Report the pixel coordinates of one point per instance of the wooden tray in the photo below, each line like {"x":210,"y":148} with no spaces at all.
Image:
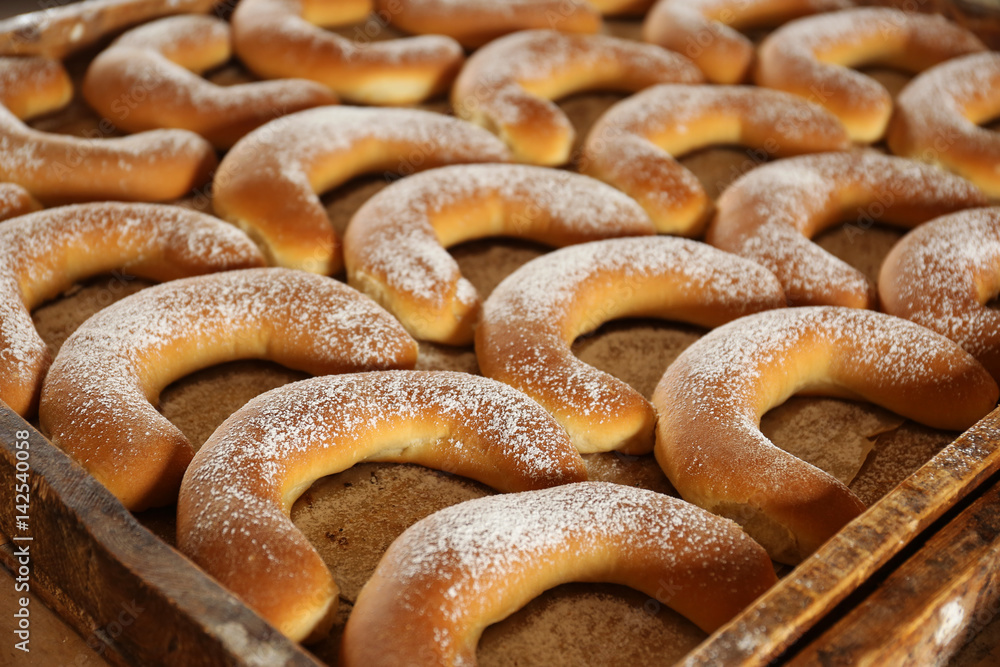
{"x":91,"y":560}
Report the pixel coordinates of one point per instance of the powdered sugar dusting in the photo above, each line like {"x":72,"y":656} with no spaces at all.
{"x":532,"y":317}
{"x":107,"y":372}
{"x":456,"y":569}
{"x":503,"y":78}
{"x":452,"y":421}
{"x":393,"y":237}
{"x":941,"y":275}
{"x":769,"y":214}
{"x":43,"y":253}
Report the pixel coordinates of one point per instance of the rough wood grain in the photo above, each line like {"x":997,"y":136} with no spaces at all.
{"x":87,"y":544}
{"x":931,"y":605}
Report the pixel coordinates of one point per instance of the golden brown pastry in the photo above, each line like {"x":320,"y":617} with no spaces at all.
{"x":280,"y":39}
{"x":59,"y":168}
{"x":233,"y":514}
{"x":59,"y":29}
{"x":45,"y":253}
{"x":770,"y":214}
{"x":811,"y":58}
{"x":711,"y":399}
{"x":942,"y":276}
{"x":475,"y":22}
{"x":938,"y":114}
{"x":98,"y":399}
{"x":634,"y":145}
{"x":394,"y":247}
{"x":149,"y":78}
{"x":507,"y":86}
{"x":450,"y":575}
{"x":268,"y":183}
{"x":15,"y":201}
{"x":706,"y":31}
{"x":531,"y":319}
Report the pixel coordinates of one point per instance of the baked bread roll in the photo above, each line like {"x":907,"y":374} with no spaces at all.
{"x":531,"y":319}
{"x":15,"y":201}
{"x":280,"y":39}
{"x":811,"y":58}
{"x":711,"y":399}
{"x":394,"y":247}
{"x":770,"y":214}
{"x":268,"y":183}
{"x":938,"y":114}
{"x":43,"y":254}
{"x":507,"y":86}
{"x":233,"y":514}
{"x":59,"y":29}
{"x":634,"y":145}
{"x":58,"y":168}
{"x":164,"y":60}
{"x":706,"y":31}
{"x":450,"y":575}
{"x":475,"y":22}
{"x":942,"y":276}
{"x":98,"y":399}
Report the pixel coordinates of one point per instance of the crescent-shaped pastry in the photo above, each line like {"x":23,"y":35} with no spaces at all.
{"x":770,"y":214}
{"x":394,"y":247}
{"x":97,"y":400}
{"x":280,"y":39}
{"x":58,"y":168}
{"x":507,"y":86}
{"x":811,"y":58}
{"x":938,"y":114}
{"x":233,"y":514}
{"x":61,"y":29}
{"x":531,"y":319}
{"x":711,"y":399}
{"x":452,"y":574}
{"x":15,"y":201}
{"x":45,"y":253}
{"x":149,"y":79}
{"x":634,"y":145}
{"x":706,"y":31}
{"x":267,"y":183}
{"x":943,"y":274}
{"x":473,"y":23}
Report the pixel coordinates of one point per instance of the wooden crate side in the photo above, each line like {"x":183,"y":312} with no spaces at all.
{"x":85,"y":542}
{"x":765,"y":631}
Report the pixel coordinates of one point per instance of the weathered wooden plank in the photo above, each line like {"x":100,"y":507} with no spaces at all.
{"x":931,"y":605}
{"x":153,"y":606}
{"x":762,"y":633}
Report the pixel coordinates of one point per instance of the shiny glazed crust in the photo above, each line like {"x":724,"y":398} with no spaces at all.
{"x":164,"y":59}
{"x":810,"y":57}
{"x":937,"y":117}
{"x":280,"y":39}
{"x":233,"y":513}
{"x":532,"y":318}
{"x":45,"y":253}
{"x":711,"y":399}
{"x":467,"y":566}
{"x":770,"y":214}
{"x":394,"y":247}
{"x":98,"y":399}
{"x":268,"y":183}
{"x":634,"y":145}
{"x":706,"y":31}
{"x":508,"y":85}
